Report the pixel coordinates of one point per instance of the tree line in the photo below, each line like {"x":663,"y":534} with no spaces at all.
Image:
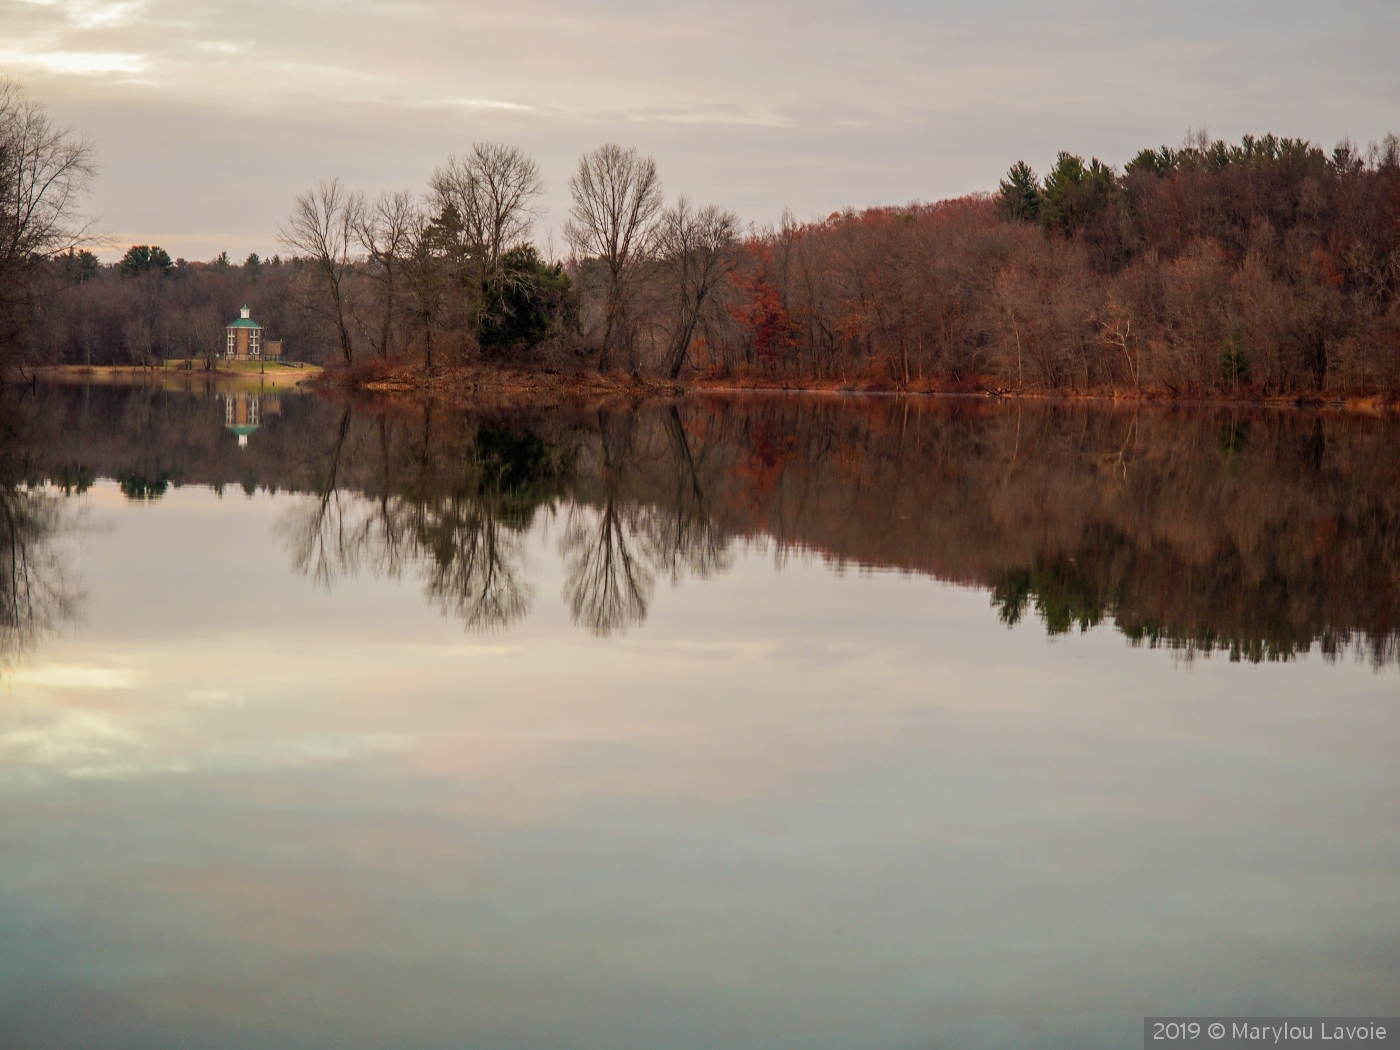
{"x":453,"y":276}
{"x":1263,"y":267}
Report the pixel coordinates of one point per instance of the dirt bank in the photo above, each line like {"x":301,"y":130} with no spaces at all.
{"x":506,"y":387}
{"x":474,"y":384}
{"x":974,"y":388}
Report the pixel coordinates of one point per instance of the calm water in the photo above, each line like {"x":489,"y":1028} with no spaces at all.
{"x":747,"y":723}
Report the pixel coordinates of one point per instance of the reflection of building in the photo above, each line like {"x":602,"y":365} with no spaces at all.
{"x":244,"y":341}
{"x":244,"y":413}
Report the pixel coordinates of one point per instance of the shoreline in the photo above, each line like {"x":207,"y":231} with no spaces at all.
{"x":1373,"y":403}
{"x":504,"y":385}
{"x":984,"y":390}
{"x":280,"y":377}
{"x":464,"y":384}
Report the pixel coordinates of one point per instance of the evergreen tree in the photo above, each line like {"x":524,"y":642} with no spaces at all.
{"x":79,"y":266}
{"x":1020,"y":193}
{"x":142,"y":258}
{"x":1075,"y":193}
{"x":523,"y":304}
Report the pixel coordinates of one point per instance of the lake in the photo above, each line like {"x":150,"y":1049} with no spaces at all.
{"x":742,"y":722}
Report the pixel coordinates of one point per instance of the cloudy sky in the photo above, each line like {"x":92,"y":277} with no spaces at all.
{"x":209,"y":115}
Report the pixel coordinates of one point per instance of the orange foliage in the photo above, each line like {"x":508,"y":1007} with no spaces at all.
{"x":760,"y":309}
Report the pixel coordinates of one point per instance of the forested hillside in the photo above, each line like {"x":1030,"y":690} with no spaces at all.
{"x":1266,"y":266}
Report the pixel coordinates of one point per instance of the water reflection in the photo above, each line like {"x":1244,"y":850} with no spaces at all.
{"x":799,"y":807}
{"x":608,"y":586}
{"x":244,"y":411}
{"x":37,"y":595}
{"x":457,"y":514}
{"x":456,"y":501}
{"x":1257,"y":533}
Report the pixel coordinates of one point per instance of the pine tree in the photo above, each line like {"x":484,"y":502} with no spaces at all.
{"x":1020,"y":193}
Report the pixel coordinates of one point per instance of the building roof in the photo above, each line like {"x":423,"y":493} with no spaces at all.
{"x":244,"y":320}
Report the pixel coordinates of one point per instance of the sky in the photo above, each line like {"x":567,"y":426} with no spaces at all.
{"x":209,"y":116}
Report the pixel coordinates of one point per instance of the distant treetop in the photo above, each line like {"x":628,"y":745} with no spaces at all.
{"x":142,"y":258}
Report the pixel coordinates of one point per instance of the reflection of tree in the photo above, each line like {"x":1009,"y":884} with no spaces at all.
{"x":476,"y":564}
{"x":607,"y":586}
{"x":473,"y":538}
{"x":1256,"y":533}
{"x":682,"y":535}
{"x":35,"y":595}
{"x":328,"y":536}
{"x":654,"y":517}
{"x":1059,"y":594}
{"x":136,"y":486}
{"x":461,"y":524}
{"x":458,"y":512}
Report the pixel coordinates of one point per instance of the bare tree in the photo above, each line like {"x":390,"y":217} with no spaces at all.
{"x":1117,"y":332}
{"x":617,"y":195}
{"x":199,"y":335}
{"x":44,"y":172}
{"x":385,"y":231}
{"x":492,"y":189}
{"x":322,"y":228}
{"x":696,"y":250}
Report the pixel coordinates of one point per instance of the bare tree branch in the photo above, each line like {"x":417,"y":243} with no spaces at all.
{"x":322,"y":228}
{"x":617,"y":195}
{"x":696,"y":250}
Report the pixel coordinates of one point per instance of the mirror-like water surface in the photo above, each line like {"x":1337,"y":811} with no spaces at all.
{"x":752,"y":722}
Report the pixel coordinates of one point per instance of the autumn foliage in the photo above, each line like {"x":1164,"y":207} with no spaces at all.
{"x":1257,"y":269}
{"x":1266,"y":268}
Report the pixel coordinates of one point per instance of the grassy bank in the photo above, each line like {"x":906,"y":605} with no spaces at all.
{"x":265,"y":375}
